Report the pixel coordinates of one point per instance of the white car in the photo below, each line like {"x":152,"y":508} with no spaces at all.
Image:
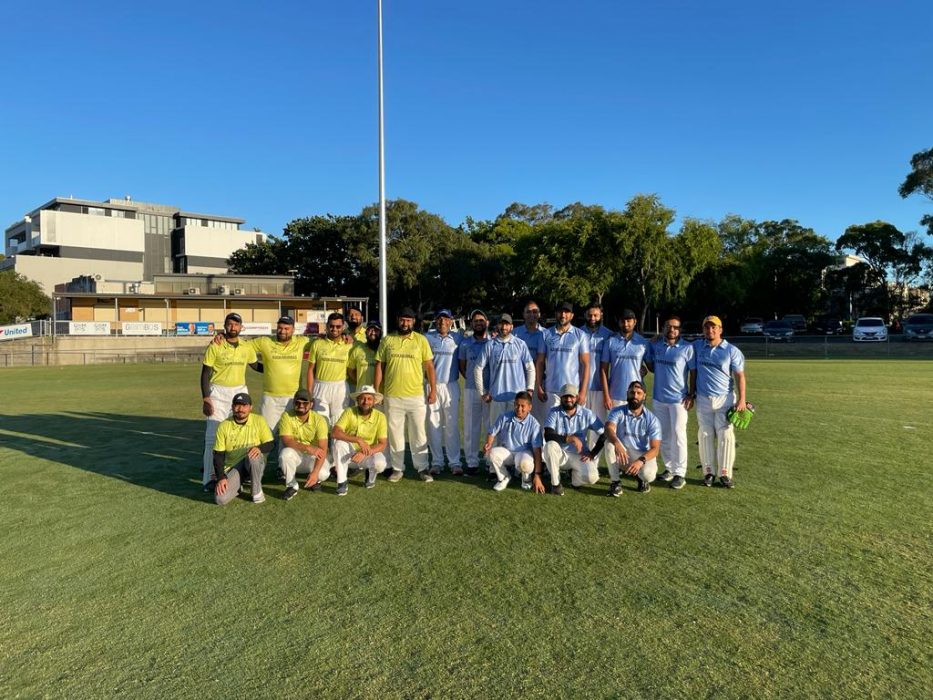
{"x":870,"y":328}
{"x":752,"y":326}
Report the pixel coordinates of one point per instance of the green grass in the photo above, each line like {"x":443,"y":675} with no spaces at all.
{"x":811,"y":578}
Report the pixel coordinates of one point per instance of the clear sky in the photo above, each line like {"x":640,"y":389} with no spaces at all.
{"x":267,"y":111}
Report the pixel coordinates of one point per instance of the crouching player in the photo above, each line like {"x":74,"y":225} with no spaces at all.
{"x":520,"y":444}
{"x":304,"y":445}
{"x":635,"y":432}
{"x":360,"y":436}
{"x":240,"y":448}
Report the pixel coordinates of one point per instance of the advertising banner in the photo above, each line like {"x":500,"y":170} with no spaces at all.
{"x":89,"y":327}
{"x":256,"y":329}
{"x":141,"y":328}
{"x":21,"y":330}
{"x":194,"y":328}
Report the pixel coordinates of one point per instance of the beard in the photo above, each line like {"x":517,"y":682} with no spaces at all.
{"x":373,"y":344}
{"x":353,"y":325}
{"x":634,"y":404}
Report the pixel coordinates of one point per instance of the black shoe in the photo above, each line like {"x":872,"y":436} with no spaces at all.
{"x":708,"y":480}
{"x":678,"y":482}
{"x":342,"y":488}
{"x":290,"y":493}
{"x":643,"y":486}
{"x":557,"y":490}
{"x":666,"y":475}
{"x":726,"y":482}
{"x":209,"y":486}
{"x":615,"y":489}
{"x":315,"y":488}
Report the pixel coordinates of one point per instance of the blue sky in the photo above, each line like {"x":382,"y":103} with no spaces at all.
{"x":805,"y":110}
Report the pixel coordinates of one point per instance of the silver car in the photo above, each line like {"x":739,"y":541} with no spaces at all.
{"x":870,"y":329}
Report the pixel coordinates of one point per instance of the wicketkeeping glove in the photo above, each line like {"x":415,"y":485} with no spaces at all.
{"x":741,"y":419}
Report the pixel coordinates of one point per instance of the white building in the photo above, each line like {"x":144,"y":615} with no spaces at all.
{"x":119,"y":239}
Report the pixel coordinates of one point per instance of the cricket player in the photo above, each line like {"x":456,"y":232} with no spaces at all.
{"x":716,"y":361}
{"x":360,"y":438}
{"x":281,"y":360}
{"x":361,"y":362}
{"x":223,"y":375}
{"x":303,"y":434}
{"x":403,"y":360}
{"x":355,"y":328}
{"x":511,"y":369}
{"x":444,"y":414}
{"x":565,"y":441}
{"x":563,"y":358}
{"x":239,"y":452}
{"x":327,"y":369}
{"x":520,"y":443}
{"x":475,"y":410}
{"x":635,"y":433}
{"x":671,"y":358}
{"x":596,"y":334}
{"x":532,"y":332}
{"x":622,"y":361}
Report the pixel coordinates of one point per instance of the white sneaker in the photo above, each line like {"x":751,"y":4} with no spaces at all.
{"x":501,"y":484}
{"x":526,"y":482}
{"x":259,"y":498}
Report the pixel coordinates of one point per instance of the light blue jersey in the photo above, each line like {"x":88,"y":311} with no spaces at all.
{"x":506,"y":361}
{"x":624,"y":358}
{"x":445,"y":349}
{"x":637,"y":431}
{"x":671,"y":369}
{"x":470,"y":349}
{"x":582,"y":420}
{"x":563,"y":352}
{"x":715,"y":365}
{"x":532,"y":338}
{"x":515,"y":434}
{"x":597,"y":338}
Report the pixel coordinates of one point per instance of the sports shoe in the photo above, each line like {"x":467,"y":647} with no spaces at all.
{"x":457,"y":471}
{"x":290,"y":493}
{"x":315,"y":488}
{"x":643,"y":486}
{"x":615,"y":489}
{"x":425,"y":476}
{"x":678,"y":482}
{"x":708,"y":480}
{"x":259,"y":497}
{"x":342,"y":488}
{"x":667,"y":475}
{"x":370,"y":479}
{"x":526,"y":482}
{"x":435,"y":471}
{"x":557,"y":490}
{"x":501,"y":484}
{"x":396,"y":475}
{"x":726,"y":482}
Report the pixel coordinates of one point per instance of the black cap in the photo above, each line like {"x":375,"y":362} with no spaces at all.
{"x":565,"y":306}
{"x":302,"y":395}
{"x":233,"y":317}
{"x":374,"y":324}
{"x":478,"y":312}
{"x":287,"y":320}
{"x":627,"y":313}
{"x":406,"y":312}
{"x":242,"y":398}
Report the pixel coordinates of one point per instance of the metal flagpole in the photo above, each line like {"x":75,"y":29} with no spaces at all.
{"x":383,"y":262}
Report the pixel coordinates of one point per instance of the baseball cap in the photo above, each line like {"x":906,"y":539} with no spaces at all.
{"x":374,"y":324}
{"x":569,"y":390}
{"x":287,"y":320}
{"x":302,"y":395}
{"x":406,"y":312}
{"x":506,"y":318}
{"x":627,"y":313}
{"x":444,"y":313}
{"x":565,"y":306}
{"x":233,"y":317}
{"x":715,"y":320}
{"x":242,"y":398}
{"x":478,"y":312}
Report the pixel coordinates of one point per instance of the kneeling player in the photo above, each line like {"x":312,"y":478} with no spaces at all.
{"x":304,"y":445}
{"x":360,"y":436}
{"x":240,"y":448}
{"x":635,"y":432}
{"x":565,"y":439}
{"x":520,"y":444}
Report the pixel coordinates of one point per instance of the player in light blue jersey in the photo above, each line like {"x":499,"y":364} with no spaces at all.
{"x":622,"y":361}
{"x":520,"y":443}
{"x":715,"y":362}
{"x":635,"y":433}
{"x":565,"y":441}
{"x":443,"y":422}
{"x":597,"y":334}
{"x":563,"y":358}
{"x":510,"y":370}
{"x":532,"y":332}
{"x":670,"y":361}
{"x":475,"y":410}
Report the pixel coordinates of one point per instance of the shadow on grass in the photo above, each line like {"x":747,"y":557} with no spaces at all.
{"x":154,"y":452}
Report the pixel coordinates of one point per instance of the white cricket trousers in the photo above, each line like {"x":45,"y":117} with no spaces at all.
{"x":716,"y":434}
{"x":673,"y":418}
{"x":293,"y":462}
{"x":502,"y":457}
{"x":272,"y":408}
{"x":329,"y":400}
{"x":343,"y":451}
{"x":557,"y":458}
{"x":475,"y":425}
{"x":648,"y":471}
{"x":222,"y":400}
{"x":444,"y":425}
{"x":407,"y":414}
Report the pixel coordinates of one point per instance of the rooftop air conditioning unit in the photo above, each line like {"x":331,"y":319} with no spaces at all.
{"x":223,"y":289}
{"x":133,"y":289}
{"x":193,"y":290}
{"x":238,"y":291}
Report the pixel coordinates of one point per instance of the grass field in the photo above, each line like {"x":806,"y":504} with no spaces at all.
{"x":812,"y":578}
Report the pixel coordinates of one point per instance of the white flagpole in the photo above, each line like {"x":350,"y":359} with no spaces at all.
{"x":383,"y":261}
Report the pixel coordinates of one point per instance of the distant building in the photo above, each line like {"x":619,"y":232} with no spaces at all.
{"x":119,"y":239}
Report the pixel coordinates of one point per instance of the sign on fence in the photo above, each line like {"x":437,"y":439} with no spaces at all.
{"x":89,"y":327}
{"x":194,"y":328}
{"x":21,"y":330}
{"x":141,"y":328}
{"x":256,"y":329}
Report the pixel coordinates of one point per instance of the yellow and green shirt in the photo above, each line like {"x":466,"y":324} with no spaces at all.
{"x":330,"y":359}
{"x":403,"y":359}
{"x":281,"y":364}
{"x":360,"y":334}
{"x":310,"y":432}
{"x":228,"y":362}
{"x":362,"y":360}
{"x":371,"y":429}
{"x":235,"y":440}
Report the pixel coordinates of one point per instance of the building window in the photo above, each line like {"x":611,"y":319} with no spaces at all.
{"x":96,"y":211}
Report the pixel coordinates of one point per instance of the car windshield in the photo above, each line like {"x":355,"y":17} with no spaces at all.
{"x":870,"y":322}
{"x":920,"y":319}
{"x":777,"y":324}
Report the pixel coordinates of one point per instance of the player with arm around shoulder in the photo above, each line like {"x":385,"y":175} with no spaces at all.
{"x":520,"y":442}
{"x":635,"y":435}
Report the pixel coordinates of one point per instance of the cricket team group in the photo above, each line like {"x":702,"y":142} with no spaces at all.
{"x":539,"y":404}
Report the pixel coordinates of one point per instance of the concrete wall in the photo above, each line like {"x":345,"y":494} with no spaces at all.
{"x":203,"y":241}
{"x":51,"y":271}
{"x":83,"y":231}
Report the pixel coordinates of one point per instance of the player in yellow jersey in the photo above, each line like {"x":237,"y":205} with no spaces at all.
{"x":355,"y":328}
{"x":304,"y":445}
{"x":239,"y":452}
{"x":223,"y":375}
{"x":361,"y":363}
{"x":327,"y":370}
{"x":360,"y":438}
{"x":281,"y":360}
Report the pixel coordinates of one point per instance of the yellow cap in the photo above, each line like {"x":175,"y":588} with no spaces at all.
{"x":714,"y":320}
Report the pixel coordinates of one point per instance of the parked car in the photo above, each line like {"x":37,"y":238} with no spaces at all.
{"x":690,"y":330}
{"x":870,"y":328}
{"x":828,"y":325}
{"x":780,"y":331}
{"x":751,"y":326}
{"x":919,"y":327}
{"x":797,"y":322}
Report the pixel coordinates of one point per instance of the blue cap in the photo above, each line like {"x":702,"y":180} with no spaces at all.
{"x":444,"y":312}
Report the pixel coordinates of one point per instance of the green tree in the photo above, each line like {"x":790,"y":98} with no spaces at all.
{"x":920,"y":181}
{"x":21,"y":298}
{"x":651,"y":269}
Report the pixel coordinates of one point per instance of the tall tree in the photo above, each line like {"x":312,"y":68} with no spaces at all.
{"x":920,"y":181}
{"x":21,"y":298}
{"x":651,"y":269}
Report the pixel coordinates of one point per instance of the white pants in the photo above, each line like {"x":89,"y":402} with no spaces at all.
{"x":343,"y":451}
{"x":272,"y":408}
{"x":444,"y":425}
{"x":716,"y":434}
{"x":648,"y":471}
{"x":673,"y":418}
{"x":475,"y":425}
{"x":502,"y":457}
{"x":556,"y":457}
{"x":329,"y":400}
{"x":294,"y":462}
{"x":406,"y":414}
{"x":222,"y":400}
